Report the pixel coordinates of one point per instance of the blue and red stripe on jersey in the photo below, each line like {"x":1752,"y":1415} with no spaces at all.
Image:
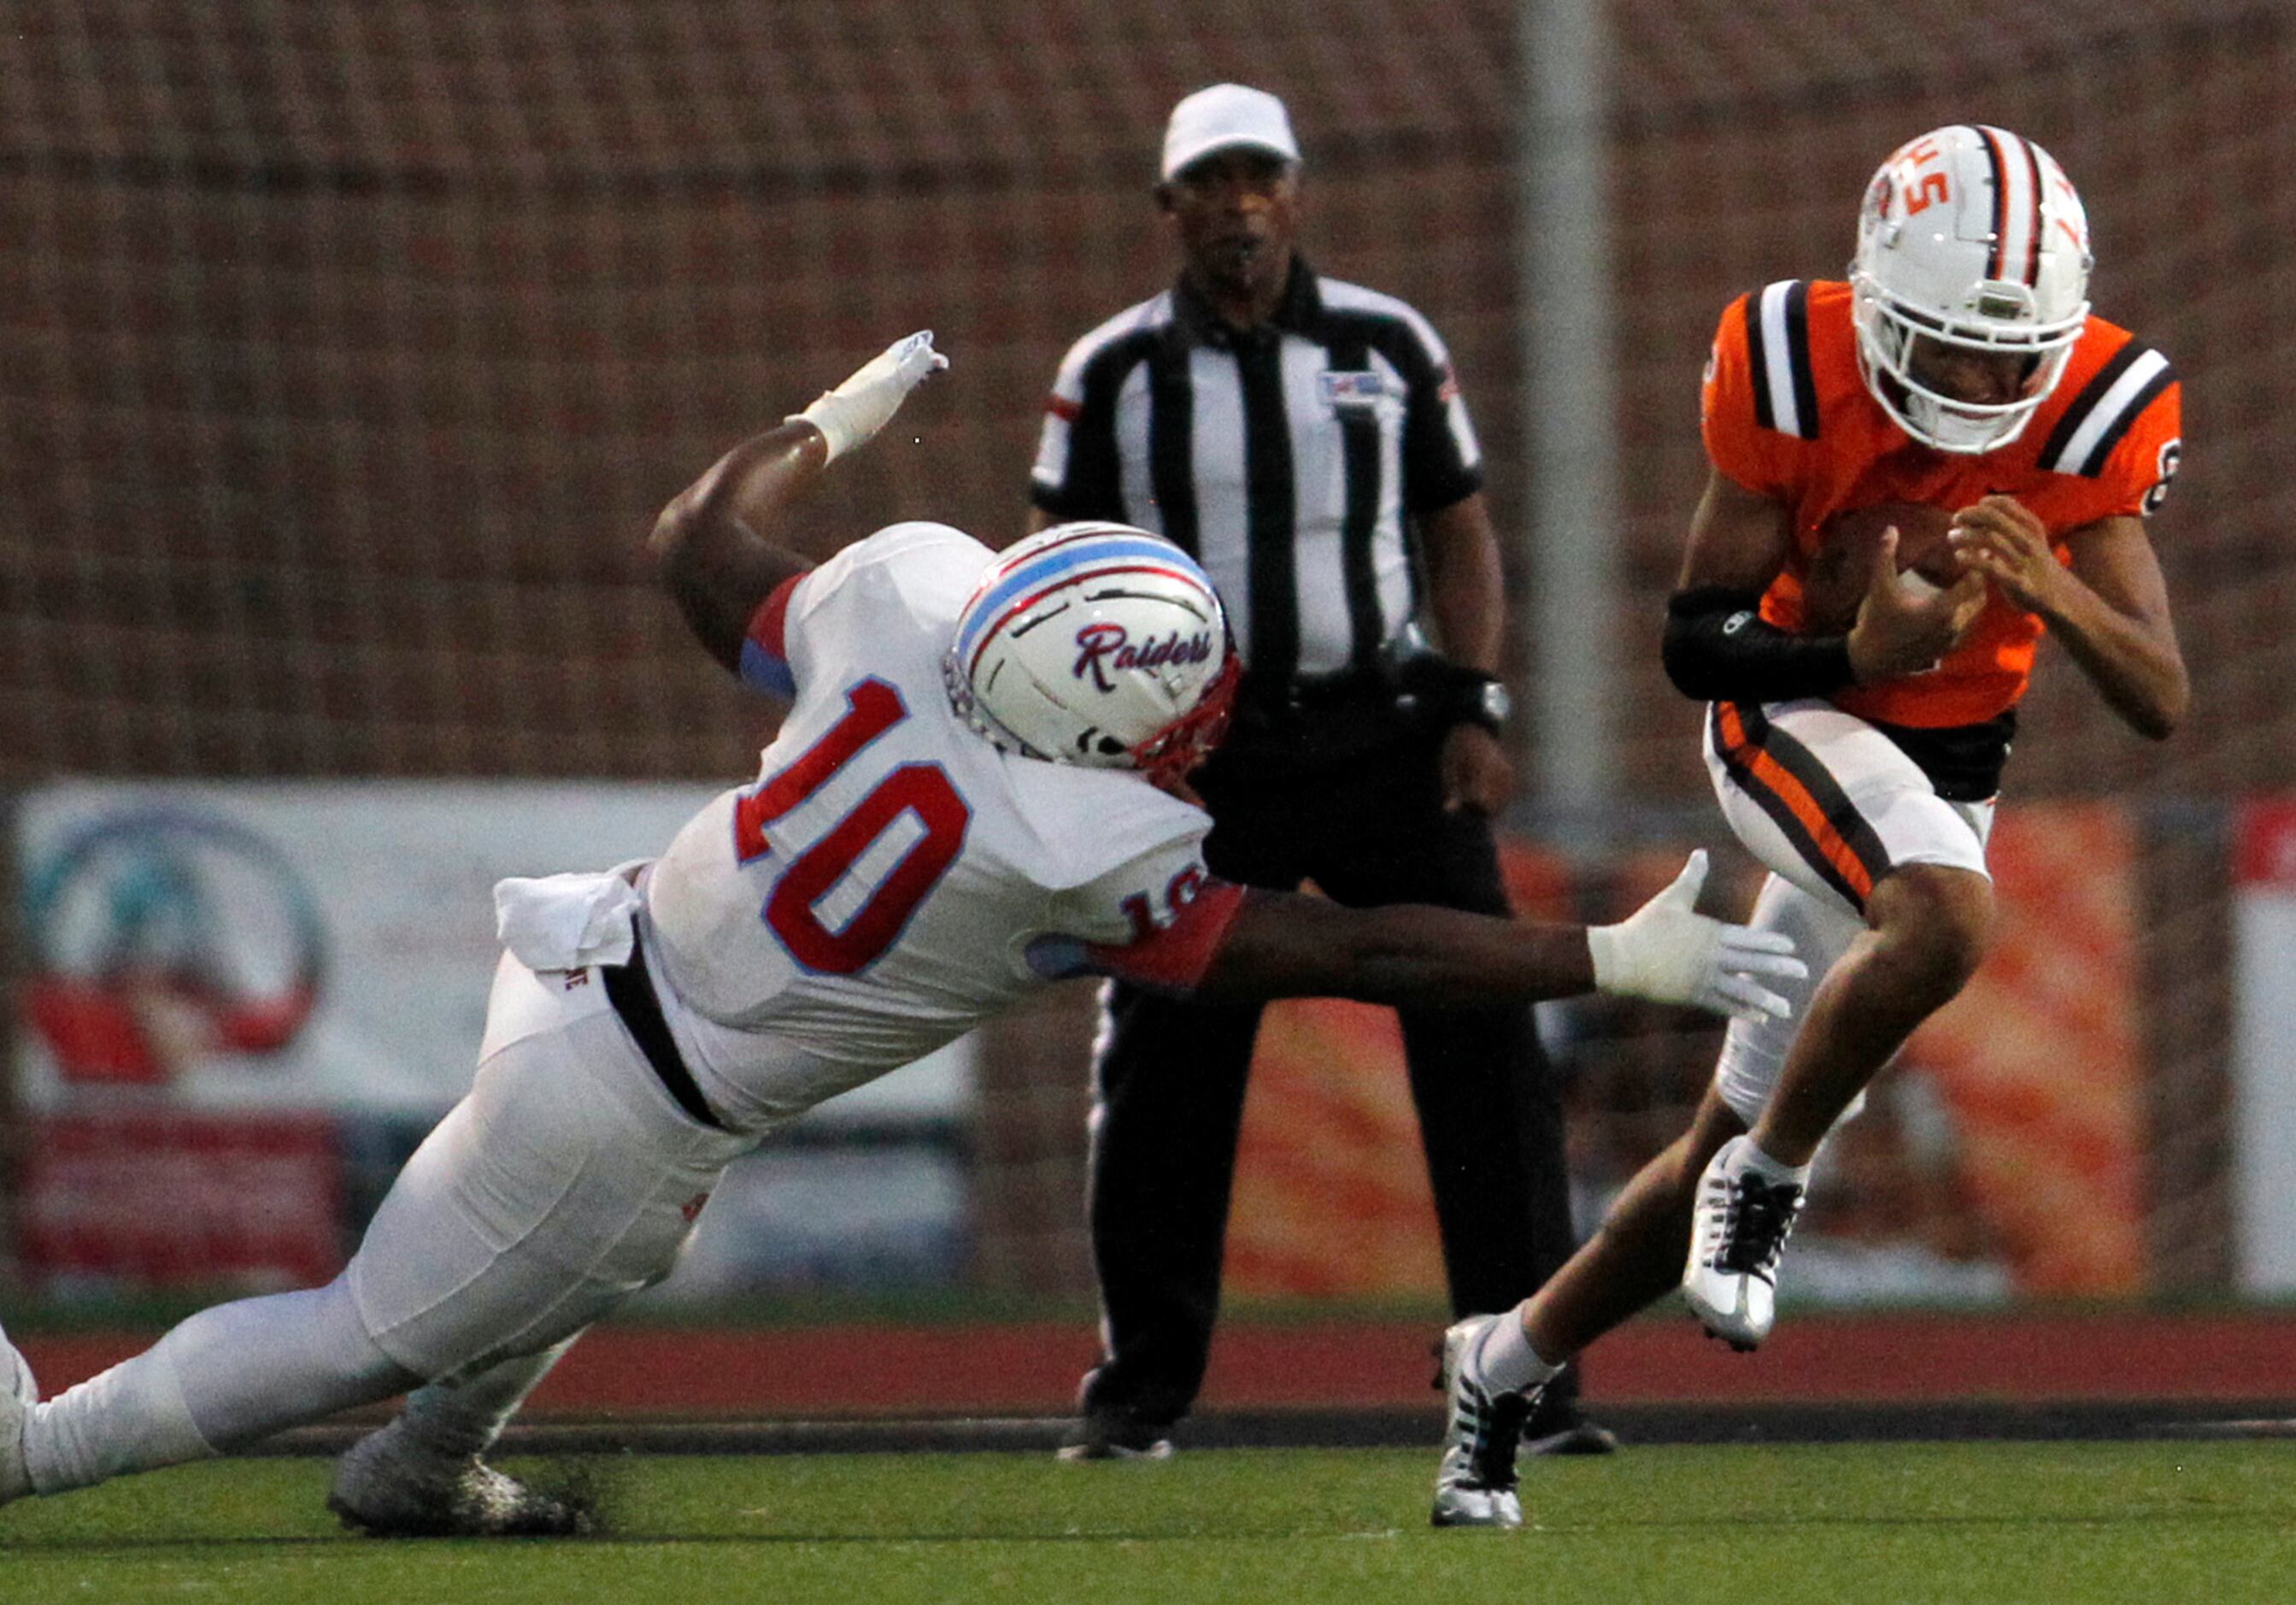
{"x":1171,"y":958}
{"x":765,"y":645}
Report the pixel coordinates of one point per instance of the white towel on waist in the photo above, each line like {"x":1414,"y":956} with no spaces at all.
{"x":564,"y":922}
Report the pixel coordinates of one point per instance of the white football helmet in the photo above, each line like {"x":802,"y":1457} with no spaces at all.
{"x":1096,"y":643}
{"x":1973,"y":237}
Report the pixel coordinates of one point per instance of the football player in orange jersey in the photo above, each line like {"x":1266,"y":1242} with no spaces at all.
{"x":1954,"y":410}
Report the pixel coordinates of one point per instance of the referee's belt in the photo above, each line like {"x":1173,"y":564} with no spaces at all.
{"x":1316,"y":722}
{"x":1351,"y":690}
{"x":630,"y":990}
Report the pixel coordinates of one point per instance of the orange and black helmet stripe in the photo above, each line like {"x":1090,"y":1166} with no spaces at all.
{"x":1785,"y":779}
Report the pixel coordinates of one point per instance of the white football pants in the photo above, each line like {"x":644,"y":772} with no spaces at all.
{"x":566,"y":1180}
{"x":1830,"y":805}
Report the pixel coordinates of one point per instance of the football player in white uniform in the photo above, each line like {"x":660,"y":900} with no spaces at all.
{"x":980,"y":787}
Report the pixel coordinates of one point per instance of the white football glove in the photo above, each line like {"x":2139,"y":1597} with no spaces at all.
{"x":857,"y":409}
{"x":1665,"y":952}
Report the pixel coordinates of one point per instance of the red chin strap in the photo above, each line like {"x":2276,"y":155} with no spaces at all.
{"x":1172,"y":752}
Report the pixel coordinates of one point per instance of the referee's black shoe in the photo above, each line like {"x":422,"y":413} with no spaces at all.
{"x":1557,"y":1426}
{"x":1112,"y":1436}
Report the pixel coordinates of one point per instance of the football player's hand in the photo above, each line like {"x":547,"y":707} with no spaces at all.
{"x":2001,"y":539}
{"x":1477,"y":778}
{"x":857,"y":409}
{"x":1668,"y":952}
{"x":1904,"y":629}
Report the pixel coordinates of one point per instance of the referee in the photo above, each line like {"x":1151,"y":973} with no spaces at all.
{"x":1303,"y":439}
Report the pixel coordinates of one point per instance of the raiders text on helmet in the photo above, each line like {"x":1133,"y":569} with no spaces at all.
{"x":1972,"y":237}
{"x":1096,"y":643}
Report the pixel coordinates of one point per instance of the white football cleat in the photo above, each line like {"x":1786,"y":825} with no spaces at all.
{"x":18,"y":1393}
{"x":387,"y":1485}
{"x":1475,"y":1484}
{"x":1739,"y":1222}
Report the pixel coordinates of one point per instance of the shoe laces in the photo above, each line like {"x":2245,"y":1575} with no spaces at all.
{"x":1757,"y":1217}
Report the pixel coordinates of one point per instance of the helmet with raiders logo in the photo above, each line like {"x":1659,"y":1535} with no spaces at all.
{"x":1096,"y":643}
{"x":1974,"y":238}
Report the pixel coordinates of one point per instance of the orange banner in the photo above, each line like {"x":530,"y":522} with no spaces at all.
{"x":2002,"y":1153}
{"x":2040,"y":1059}
{"x":1330,"y":1194}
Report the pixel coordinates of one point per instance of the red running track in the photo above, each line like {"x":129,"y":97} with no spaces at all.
{"x":1032,"y":1369}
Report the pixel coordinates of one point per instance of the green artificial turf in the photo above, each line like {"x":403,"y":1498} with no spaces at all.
{"x":2213,"y":1522}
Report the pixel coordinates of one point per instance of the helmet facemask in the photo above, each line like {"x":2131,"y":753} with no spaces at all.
{"x":1972,"y":238}
{"x":1179,"y":747}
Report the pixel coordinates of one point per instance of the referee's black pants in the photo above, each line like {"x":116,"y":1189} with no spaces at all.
{"x":1170,"y":1080}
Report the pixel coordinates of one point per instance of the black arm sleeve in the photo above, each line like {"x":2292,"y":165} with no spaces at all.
{"x":1718,"y":648}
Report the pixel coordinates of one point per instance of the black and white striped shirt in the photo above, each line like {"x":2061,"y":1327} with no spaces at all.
{"x":1290,"y":460}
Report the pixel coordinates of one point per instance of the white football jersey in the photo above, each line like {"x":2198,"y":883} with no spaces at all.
{"x":873,"y":896}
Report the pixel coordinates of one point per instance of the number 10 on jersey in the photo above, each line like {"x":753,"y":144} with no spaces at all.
{"x":922,"y":790}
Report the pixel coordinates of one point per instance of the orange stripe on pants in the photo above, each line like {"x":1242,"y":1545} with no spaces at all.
{"x":1759,"y":766}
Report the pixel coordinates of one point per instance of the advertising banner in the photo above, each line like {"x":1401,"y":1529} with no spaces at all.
{"x":245,"y":1003}
{"x":2264,"y":1047}
{"x":2038,"y":1065}
{"x":2000,"y":1155}
{"x":287,"y":946}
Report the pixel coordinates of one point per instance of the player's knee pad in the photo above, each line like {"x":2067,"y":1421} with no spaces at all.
{"x":1754,"y":1051}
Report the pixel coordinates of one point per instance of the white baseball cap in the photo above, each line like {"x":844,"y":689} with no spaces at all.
{"x":1226,"y":115}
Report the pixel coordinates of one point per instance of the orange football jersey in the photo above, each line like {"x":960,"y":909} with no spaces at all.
{"x":1787,"y":415}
